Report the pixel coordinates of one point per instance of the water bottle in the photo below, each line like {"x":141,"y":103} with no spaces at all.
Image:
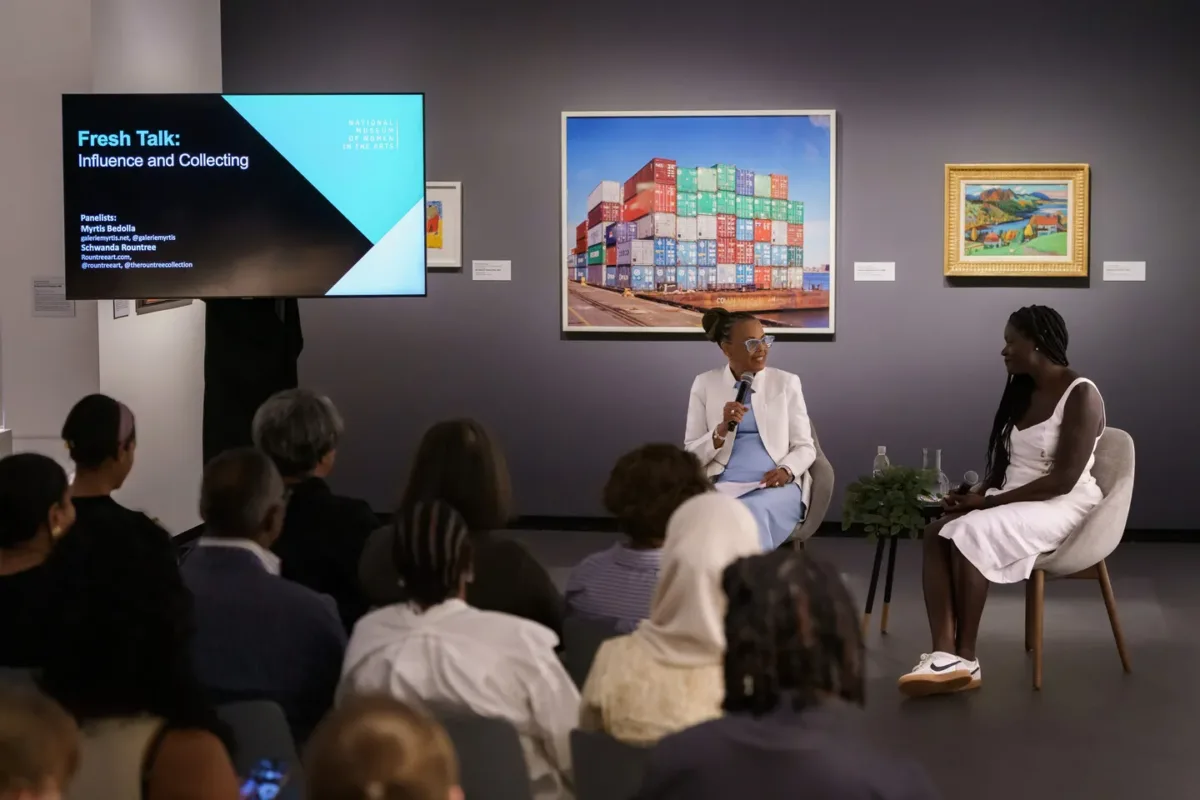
{"x":881,"y":462}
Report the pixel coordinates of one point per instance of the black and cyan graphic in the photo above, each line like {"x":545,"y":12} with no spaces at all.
{"x":181,"y":196}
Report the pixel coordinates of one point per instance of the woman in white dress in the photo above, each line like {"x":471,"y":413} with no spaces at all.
{"x":1039,"y":487}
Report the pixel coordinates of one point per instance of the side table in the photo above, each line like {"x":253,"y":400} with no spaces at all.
{"x":931,"y":512}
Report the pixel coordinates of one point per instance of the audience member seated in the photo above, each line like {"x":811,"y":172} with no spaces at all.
{"x":435,"y":650}
{"x":258,"y":636}
{"x":39,"y":746}
{"x":35,"y":509}
{"x":1039,"y":487}
{"x":119,"y":661}
{"x":666,"y":675}
{"x":643,"y":491}
{"x":793,"y":679}
{"x":323,"y":533}
{"x":459,"y":463}
{"x":377,"y":747}
{"x":101,"y":438}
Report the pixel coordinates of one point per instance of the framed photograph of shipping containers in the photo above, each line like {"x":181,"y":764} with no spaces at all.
{"x":666,"y":214}
{"x":443,"y":224}
{"x":1017,"y":220}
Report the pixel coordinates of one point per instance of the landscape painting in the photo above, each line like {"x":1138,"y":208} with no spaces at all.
{"x":1017,"y":220}
{"x":668,"y":214}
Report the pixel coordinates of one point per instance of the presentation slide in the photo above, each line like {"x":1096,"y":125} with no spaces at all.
{"x":209,"y":195}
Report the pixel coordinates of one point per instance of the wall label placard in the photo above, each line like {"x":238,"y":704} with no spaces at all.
{"x":491,"y":270}
{"x":874,"y":270}
{"x":1124,"y":270}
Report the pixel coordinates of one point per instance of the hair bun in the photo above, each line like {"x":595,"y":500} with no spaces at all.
{"x":714,"y":322}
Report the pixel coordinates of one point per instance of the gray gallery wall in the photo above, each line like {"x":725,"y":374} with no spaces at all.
{"x":916,"y":85}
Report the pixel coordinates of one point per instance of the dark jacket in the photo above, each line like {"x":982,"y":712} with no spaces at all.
{"x":322,"y":540}
{"x":784,"y":755}
{"x":89,"y":510}
{"x":260,"y":637}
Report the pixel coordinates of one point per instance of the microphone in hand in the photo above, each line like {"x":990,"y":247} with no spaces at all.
{"x":970,"y":478}
{"x":743,"y":391}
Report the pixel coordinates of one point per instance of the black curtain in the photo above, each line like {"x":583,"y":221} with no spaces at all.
{"x":251,"y":350}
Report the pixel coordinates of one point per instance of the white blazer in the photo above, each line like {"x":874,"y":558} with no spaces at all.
{"x":778,"y":408}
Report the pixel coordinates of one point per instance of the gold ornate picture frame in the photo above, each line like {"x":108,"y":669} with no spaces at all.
{"x":1017,"y":220}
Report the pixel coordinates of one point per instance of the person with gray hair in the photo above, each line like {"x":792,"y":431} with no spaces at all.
{"x":323,"y":533}
{"x":257,"y":636}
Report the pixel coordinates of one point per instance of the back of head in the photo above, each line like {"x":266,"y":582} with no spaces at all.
{"x":96,"y":429}
{"x":686,"y":625}
{"x":118,"y":602}
{"x":459,"y":463}
{"x":648,"y":484}
{"x":431,"y":551}
{"x":792,"y":635}
{"x":241,"y":495}
{"x":39,"y":744}
{"x":718,"y":323}
{"x":377,"y":748}
{"x":297,"y":428}
{"x":30,"y":485}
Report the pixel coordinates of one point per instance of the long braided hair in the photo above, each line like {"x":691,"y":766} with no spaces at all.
{"x":791,"y":635}
{"x":1044,"y":327}
{"x":431,"y":551}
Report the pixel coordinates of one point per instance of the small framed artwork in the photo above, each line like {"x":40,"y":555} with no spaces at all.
{"x":149,"y":306}
{"x":443,"y":224}
{"x":1017,"y":220}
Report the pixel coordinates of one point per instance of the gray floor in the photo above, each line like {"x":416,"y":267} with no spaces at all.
{"x":1092,"y":732}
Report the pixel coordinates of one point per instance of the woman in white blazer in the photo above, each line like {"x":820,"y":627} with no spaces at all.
{"x":772,"y":445}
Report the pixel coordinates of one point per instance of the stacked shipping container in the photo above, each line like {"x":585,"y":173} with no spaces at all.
{"x":691,"y":228}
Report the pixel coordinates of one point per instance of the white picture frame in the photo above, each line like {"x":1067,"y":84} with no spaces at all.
{"x":810,"y":315}
{"x":447,"y":197}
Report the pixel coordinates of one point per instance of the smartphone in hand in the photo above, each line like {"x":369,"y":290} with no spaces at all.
{"x":265,"y":781}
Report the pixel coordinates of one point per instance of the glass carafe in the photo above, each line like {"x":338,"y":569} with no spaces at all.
{"x":931,"y":461}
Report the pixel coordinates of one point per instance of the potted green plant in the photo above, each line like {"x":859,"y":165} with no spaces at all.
{"x":890,"y":502}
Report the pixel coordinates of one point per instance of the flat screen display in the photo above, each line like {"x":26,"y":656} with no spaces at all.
{"x":216,"y":195}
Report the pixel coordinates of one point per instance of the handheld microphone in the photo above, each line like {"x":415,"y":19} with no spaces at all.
{"x":970,"y":478}
{"x":743,"y":389}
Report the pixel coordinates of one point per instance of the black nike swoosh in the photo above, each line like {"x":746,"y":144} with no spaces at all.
{"x":951,"y":665}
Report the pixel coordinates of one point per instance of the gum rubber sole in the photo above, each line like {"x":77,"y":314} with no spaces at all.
{"x":925,"y":685}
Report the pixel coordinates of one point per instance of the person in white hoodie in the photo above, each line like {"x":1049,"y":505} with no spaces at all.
{"x":434,"y":650}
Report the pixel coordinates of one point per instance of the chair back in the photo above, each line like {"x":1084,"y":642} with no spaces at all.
{"x":582,"y":637}
{"x":1101,"y":530}
{"x":491,"y":762}
{"x":821,"y":474}
{"x":18,"y":676}
{"x":261,"y":731}
{"x":606,"y":768}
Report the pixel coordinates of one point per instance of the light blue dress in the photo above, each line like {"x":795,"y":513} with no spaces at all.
{"x":777,"y":511}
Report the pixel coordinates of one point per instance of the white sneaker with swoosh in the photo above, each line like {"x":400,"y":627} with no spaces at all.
{"x":936,"y":673}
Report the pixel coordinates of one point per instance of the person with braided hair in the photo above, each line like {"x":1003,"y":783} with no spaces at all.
{"x":794,"y":675}
{"x":1037,"y":489}
{"x":434,"y":650}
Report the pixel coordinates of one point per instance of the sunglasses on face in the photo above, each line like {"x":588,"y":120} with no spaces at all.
{"x":765,"y":342}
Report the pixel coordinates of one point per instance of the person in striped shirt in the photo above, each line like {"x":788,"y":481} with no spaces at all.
{"x":646,"y":486}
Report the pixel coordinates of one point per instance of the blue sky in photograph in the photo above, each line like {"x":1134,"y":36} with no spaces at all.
{"x":614,"y":148}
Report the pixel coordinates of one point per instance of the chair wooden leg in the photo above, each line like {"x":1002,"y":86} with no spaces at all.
{"x":1029,"y":614}
{"x":1110,"y":604}
{"x":1038,"y":580}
